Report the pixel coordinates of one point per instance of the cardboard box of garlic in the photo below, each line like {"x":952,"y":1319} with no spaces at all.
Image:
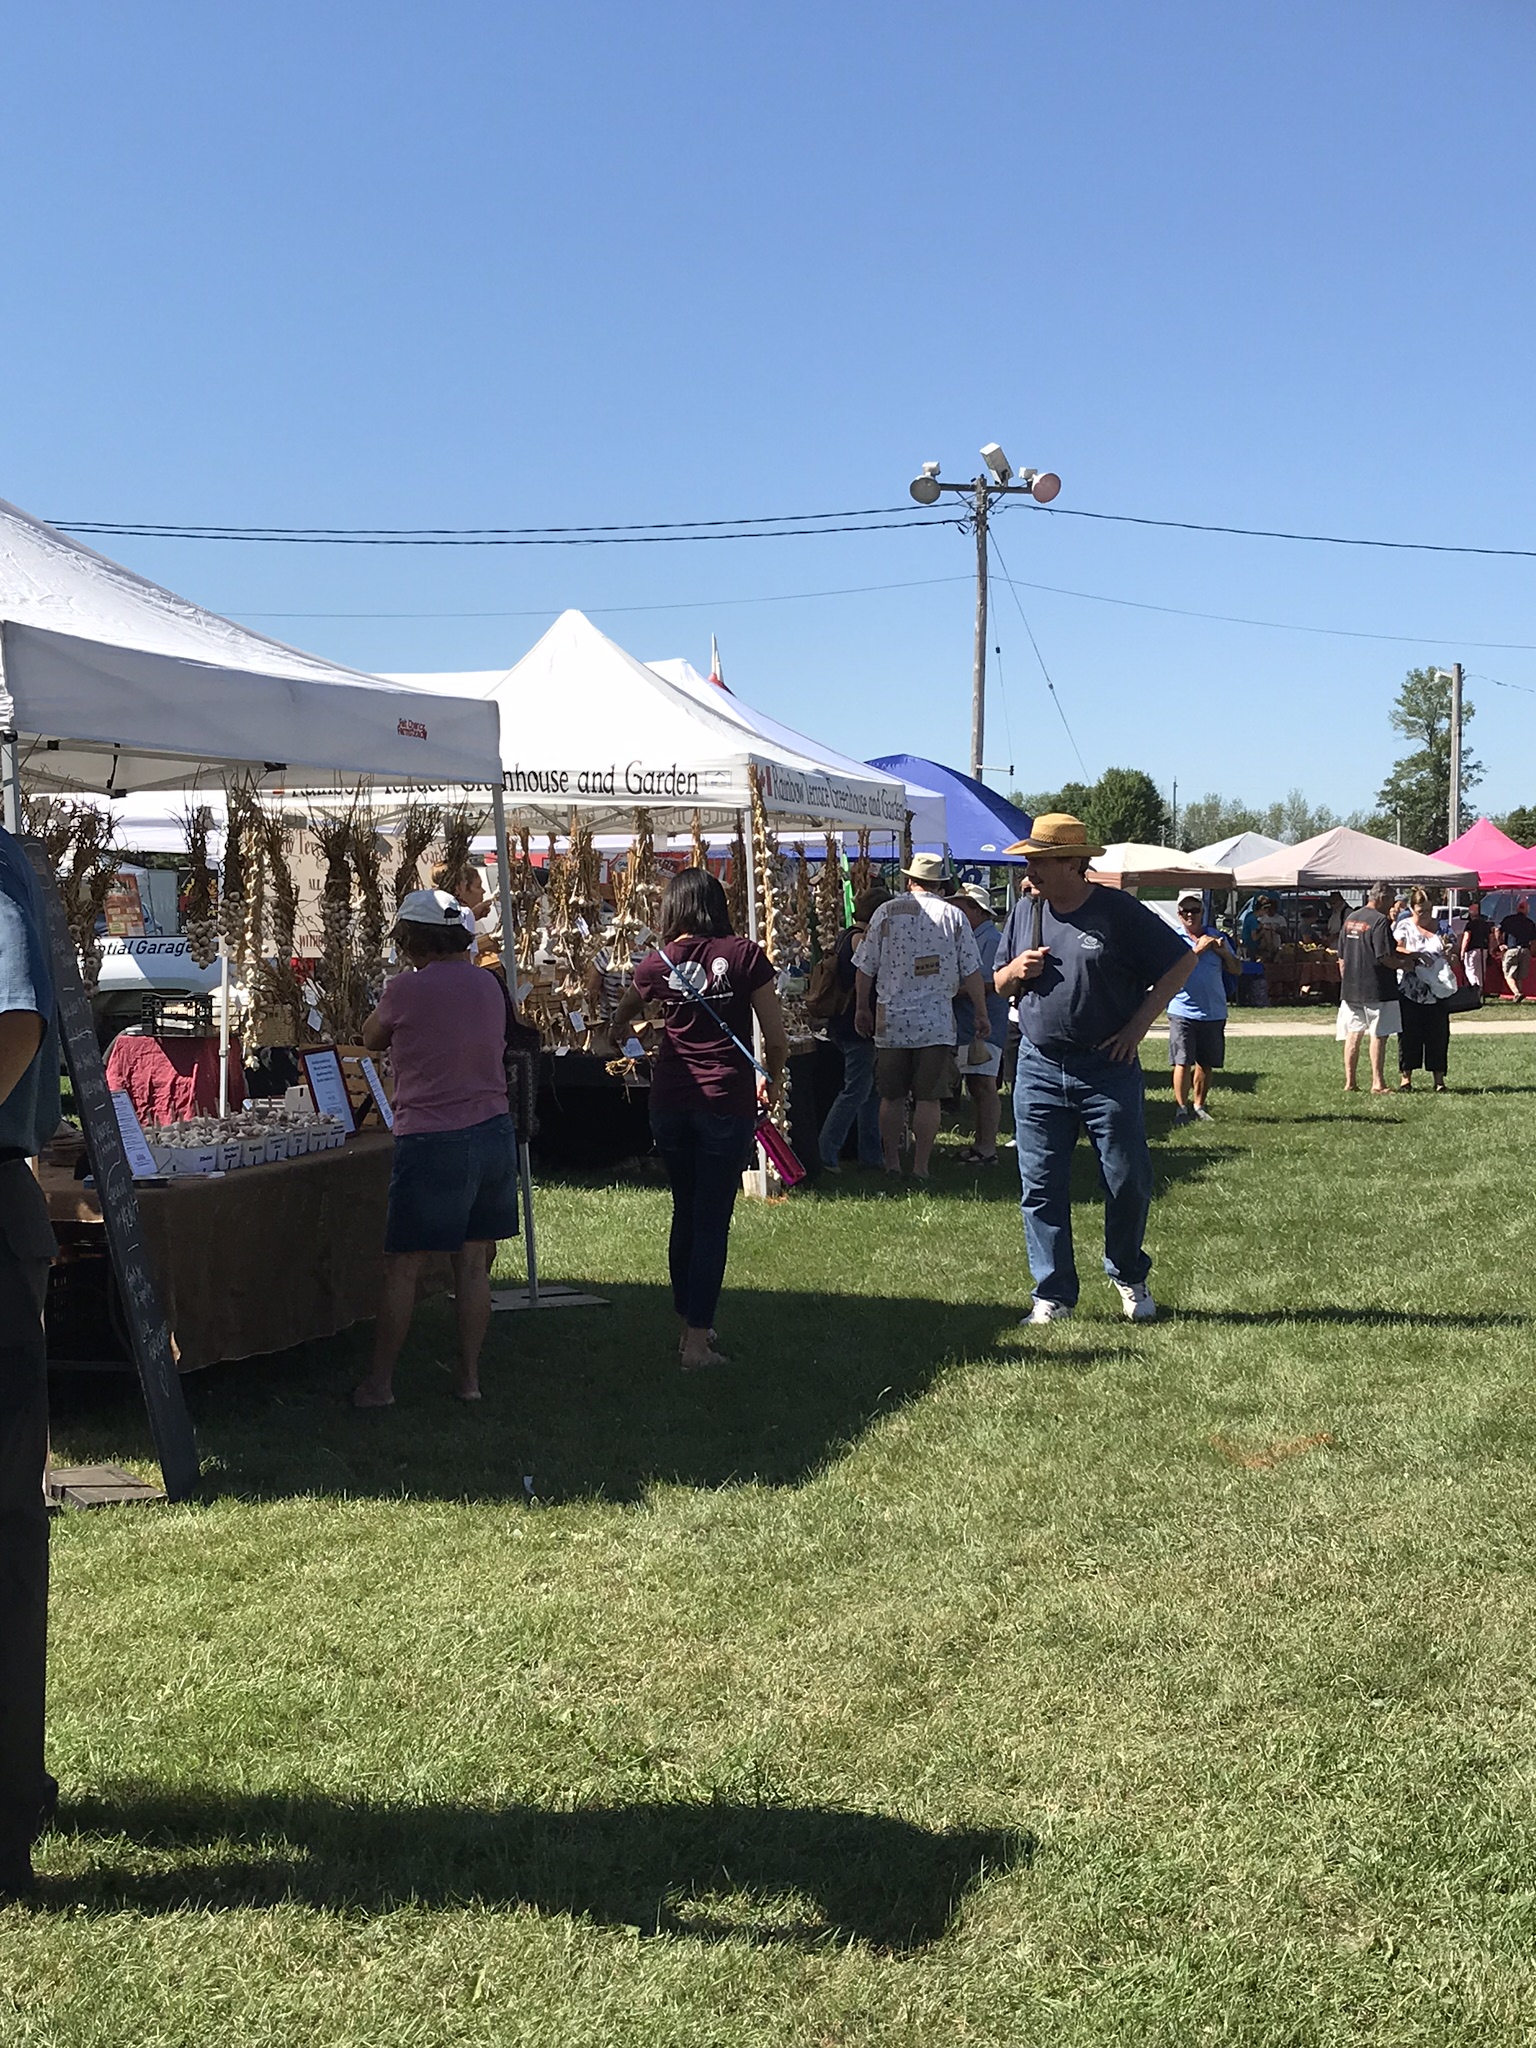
{"x":257,"y":1136}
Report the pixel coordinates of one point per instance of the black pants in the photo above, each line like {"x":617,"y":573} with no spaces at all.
{"x":1425,"y":1039}
{"x":26,"y":1247}
{"x":704,"y":1156}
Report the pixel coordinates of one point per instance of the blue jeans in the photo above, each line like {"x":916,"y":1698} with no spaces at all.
{"x":1051,"y":1103}
{"x":858,"y":1099}
{"x":704,"y":1155}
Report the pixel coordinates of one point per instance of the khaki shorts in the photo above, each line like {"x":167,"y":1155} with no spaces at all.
{"x":928,"y":1073}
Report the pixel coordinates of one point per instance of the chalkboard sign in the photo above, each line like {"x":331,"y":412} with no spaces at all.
{"x":169,"y":1423}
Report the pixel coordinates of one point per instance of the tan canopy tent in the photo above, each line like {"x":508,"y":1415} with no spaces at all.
{"x":1127,"y":865}
{"x":1343,"y":859}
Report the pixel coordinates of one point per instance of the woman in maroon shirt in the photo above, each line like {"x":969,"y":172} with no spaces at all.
{"x":704,"y":1092}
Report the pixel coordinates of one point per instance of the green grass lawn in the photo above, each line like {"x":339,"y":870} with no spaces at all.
{"x":920,"y":1679}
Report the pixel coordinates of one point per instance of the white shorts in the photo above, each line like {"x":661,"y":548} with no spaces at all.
{"x":990,"y":1068}
{"x":1372,"y":1020}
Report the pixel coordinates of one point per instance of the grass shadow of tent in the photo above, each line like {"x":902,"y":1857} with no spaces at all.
{"x":714,"y":1871}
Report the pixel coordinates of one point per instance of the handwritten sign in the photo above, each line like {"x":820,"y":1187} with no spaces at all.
{"x":327,"y":1088}
{"x":169,"y":1423}
{"x":141,"y":1161}
{"x":381,"y":1101}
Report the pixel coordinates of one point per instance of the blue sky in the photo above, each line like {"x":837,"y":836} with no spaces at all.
{"x":479,"y":264}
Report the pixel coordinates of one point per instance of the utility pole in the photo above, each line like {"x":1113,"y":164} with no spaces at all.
{"x":979,"y":655}
{"x":1453,"y":676}
{"x":996,"y":481}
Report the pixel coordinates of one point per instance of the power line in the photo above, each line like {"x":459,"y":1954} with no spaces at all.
{"x":693,"y":604}
{"x":555,"y":538}
{"x":1331,"y":540}
{"x":1283,"y":625}
{"x":1029,"y":629}
{"x":762,"y":526}
{"x":427,"y":536}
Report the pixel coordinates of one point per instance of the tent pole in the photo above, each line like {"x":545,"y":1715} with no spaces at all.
{"x":10,"y":761}
{"x":756,"y":1175}
{"x":223,"y":1029}
{"x":10,"y":769}
{"x":509,"y":968}
{"x":504,"y":885}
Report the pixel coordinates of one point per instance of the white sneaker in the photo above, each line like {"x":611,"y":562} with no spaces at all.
{"x":1203,"y":1114}
{"x":1047,"y":1311}
{"x":1136,"y":1300}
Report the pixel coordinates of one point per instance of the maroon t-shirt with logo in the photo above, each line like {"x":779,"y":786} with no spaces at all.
{"x":697,"y":1067}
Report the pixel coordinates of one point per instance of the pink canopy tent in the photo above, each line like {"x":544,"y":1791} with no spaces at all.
{"x":1500,"y":862}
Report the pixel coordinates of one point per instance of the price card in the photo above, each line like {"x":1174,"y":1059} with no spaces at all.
{"x":141,"y":1161}
{"x":328,"y":1091}
{"x":381,"y":1101}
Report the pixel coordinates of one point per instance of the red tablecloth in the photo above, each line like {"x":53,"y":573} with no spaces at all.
{"x":168,"y":1079}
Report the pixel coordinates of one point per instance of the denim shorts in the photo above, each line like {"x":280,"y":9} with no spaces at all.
{"x":452,"y":1188}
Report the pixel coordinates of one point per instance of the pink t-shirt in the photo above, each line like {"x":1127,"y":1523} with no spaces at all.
{"x":447,"y":1026}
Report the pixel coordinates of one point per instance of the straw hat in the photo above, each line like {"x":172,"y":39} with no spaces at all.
{"x":931,"y":869}
{"x":1060,"y":836}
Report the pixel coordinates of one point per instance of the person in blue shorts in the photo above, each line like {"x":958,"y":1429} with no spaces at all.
{"x":1197,"y":1015}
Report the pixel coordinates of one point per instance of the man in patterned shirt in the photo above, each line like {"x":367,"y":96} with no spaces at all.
{"x":920,"y":952}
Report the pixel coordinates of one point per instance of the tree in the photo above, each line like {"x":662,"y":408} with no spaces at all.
{"x":1125,"y":804}
{"x":1073,"y":798}
{"x":1417,"y":794}
{"x":1520,"y":824}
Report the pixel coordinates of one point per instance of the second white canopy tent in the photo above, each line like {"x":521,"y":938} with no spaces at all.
{"x":586,"y":726}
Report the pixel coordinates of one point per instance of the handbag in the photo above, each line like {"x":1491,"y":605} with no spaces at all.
{"x":1468,"y":998}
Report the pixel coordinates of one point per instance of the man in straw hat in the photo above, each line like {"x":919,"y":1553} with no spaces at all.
{"x":1090,"y":969}
{"x":920,"y":952}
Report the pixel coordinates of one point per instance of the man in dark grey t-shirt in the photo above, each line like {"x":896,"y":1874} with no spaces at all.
{"x":1369,"y":958}
{"x":1090,"y":969}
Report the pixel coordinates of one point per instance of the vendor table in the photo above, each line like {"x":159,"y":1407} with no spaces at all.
{"x":257,"y":1261}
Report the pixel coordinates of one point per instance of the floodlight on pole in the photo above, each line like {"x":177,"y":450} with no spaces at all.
{"x":998,"y":480}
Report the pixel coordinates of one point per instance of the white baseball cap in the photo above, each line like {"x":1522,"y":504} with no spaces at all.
{"x":429,"y":906}
{"x":1190,"y":896}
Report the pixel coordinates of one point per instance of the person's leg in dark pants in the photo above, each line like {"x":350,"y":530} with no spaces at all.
{"x":718,"y":1161}
{"x":1045,"y":1132}
{"x":675,"y":1141}
{"x":704,"y":1156}
{"x":1114,"y":1114}
{"x":26,"y":1247}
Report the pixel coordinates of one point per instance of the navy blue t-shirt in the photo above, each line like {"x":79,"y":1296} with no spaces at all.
{"x":1104,"y":956}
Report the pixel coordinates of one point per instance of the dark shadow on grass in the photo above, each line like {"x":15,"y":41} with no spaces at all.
{"x":590,"y":1402}
{"x":716,"y":1871}
{"x":1391,"y":1318}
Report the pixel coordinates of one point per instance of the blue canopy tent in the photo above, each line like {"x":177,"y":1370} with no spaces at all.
{"x":980,"y":822}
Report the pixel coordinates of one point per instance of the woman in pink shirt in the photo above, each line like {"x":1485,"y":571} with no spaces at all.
{"x":454,"y":1184}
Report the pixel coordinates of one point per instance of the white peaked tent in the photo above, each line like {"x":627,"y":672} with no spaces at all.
{"x":108,"y":682}
{"x":587,"y":727}
{"x":929,"y":824}
{"x":1237,"y":848}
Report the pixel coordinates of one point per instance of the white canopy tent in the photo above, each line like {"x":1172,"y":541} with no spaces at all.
{"x":110,"y":683}
{"x":929,"y":823}
{"x":1237,"y":848}
{"x":587,"y":727}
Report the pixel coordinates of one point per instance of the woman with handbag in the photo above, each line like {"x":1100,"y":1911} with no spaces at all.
{"x":704,"y":1095}
{"x":1428,"y":985}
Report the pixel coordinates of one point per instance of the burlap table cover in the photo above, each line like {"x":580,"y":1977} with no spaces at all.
{"x":265,"y":1258}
